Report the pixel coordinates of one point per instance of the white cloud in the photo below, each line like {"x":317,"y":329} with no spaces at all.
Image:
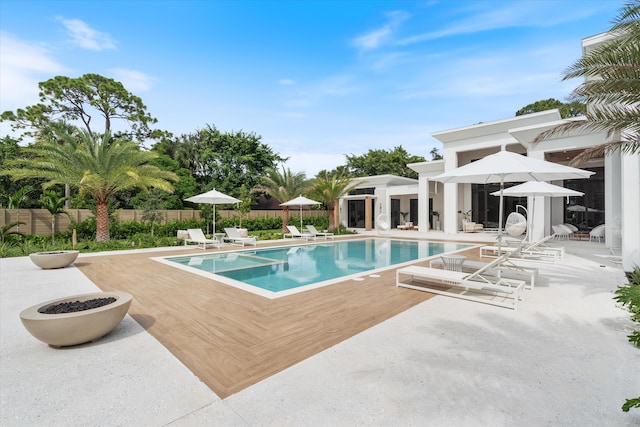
{"x":134,"y":81}
{"x":290,"y":115}
{"x":473,"y":18}
{"x":23,"y":65}
{"x":86,"y":37}
{"x":311,"y":95}
{"x":383,"y":35}
{"x":286,"y":82}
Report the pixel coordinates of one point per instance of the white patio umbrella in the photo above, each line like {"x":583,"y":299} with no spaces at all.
{"x":536,"y":188}
{"x":505,"y":166}
{"x":213,"y":197}
{"x":300,"y":201}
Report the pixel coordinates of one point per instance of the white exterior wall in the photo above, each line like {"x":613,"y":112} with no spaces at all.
{"x":613,"y":202}
{"x":423,"y":203}
{"x":630,"y":212}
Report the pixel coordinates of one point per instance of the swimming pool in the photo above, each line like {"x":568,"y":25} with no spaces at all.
{"x":279,"y":271}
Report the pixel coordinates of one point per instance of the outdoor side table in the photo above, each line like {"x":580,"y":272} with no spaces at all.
{"x":453,"y":262}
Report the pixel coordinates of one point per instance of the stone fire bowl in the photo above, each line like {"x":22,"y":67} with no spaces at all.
{"x":53,"y":259}
{"x":79,"y":327}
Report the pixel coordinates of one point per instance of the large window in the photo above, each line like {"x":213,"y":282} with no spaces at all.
{"x":586,"y":212}
{"x":485,"y":208}
{"x":356,"y":213}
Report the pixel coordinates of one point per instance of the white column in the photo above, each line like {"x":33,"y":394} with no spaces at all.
{"x":449,"y":216}
{"x":630,"y":211}
{"x":423,"y":204}
{"x":613,"y":200}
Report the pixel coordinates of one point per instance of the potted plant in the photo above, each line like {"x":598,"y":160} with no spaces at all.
{"x":404,"y":216}
{"x":436,"y":221}
{"x":466,"y":215}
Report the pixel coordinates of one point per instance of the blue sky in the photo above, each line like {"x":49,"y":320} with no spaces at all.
{"x":315,"y":79}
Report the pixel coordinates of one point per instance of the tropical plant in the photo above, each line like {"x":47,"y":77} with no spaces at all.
{"x":100,"y":168}
{"x":629,"y":296}
{"x":16,"y":200}
{"x":152,"y":207}
{"x":282,"y":187}
{"x":5,"y":230}
{"x":54,"y":204}
{"x":328,"y":188}
{"x":466,"y":214}
{"x":246,"y":200}
{"x":611,"y":89}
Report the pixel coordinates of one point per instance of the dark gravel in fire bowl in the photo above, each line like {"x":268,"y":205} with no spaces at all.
{"x":73,"y":306}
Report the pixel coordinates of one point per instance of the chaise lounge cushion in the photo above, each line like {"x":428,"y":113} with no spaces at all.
{"x":472,"y":227}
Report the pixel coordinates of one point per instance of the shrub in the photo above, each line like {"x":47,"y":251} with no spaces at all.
{"x":629,"y":296}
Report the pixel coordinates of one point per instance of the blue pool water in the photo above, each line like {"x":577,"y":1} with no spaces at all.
{"x":280,"y":269}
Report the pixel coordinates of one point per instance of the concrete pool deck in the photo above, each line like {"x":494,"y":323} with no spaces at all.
{"x":562,"y":359}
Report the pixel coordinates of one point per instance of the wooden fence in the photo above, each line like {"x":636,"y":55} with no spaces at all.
{"x":38,"y":221}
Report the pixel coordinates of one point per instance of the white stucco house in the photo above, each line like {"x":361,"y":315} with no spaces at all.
{"x":611,"y":195}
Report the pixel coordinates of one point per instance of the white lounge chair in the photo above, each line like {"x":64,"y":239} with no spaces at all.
{"x":295,"y":233}
{"x":561,"y":231}
{"x":542,"y":246}
{"x":197,"y":236}
{"x":234,"y":237}
{"x":463,"y":285}
{"x":597,"y":233}
{"x":312,"y":229}
{"x":536,"y":251}
{"x":507,"y":269}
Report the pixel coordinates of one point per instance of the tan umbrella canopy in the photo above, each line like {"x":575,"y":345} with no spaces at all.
{"x":300,"y":201}
{"x":213,"y":197}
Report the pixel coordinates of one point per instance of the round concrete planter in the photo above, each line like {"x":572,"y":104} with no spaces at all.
{"x":79,"y":327}
{"x":53,"y":259}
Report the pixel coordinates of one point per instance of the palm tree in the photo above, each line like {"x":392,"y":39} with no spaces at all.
{"x":328,"y":188}
{"x":100,"y":168}
{"x":53,"y":203}
{"x":611,"y":90}
{"x":5,"y":230}
{"x":284,"y":186}
{"x":16,"y":200}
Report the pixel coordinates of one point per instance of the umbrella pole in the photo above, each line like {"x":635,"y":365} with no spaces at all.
{"x":214,"y":219}
{"x":530,"y":222}
{"x":500,"y":214}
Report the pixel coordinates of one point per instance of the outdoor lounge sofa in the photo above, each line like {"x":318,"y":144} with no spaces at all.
{"x":470,"y":286}
{"x":472,"y":227}
{"x":197,"y":236}
{"x":406,"y":226}
{"x":234,"y":237}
